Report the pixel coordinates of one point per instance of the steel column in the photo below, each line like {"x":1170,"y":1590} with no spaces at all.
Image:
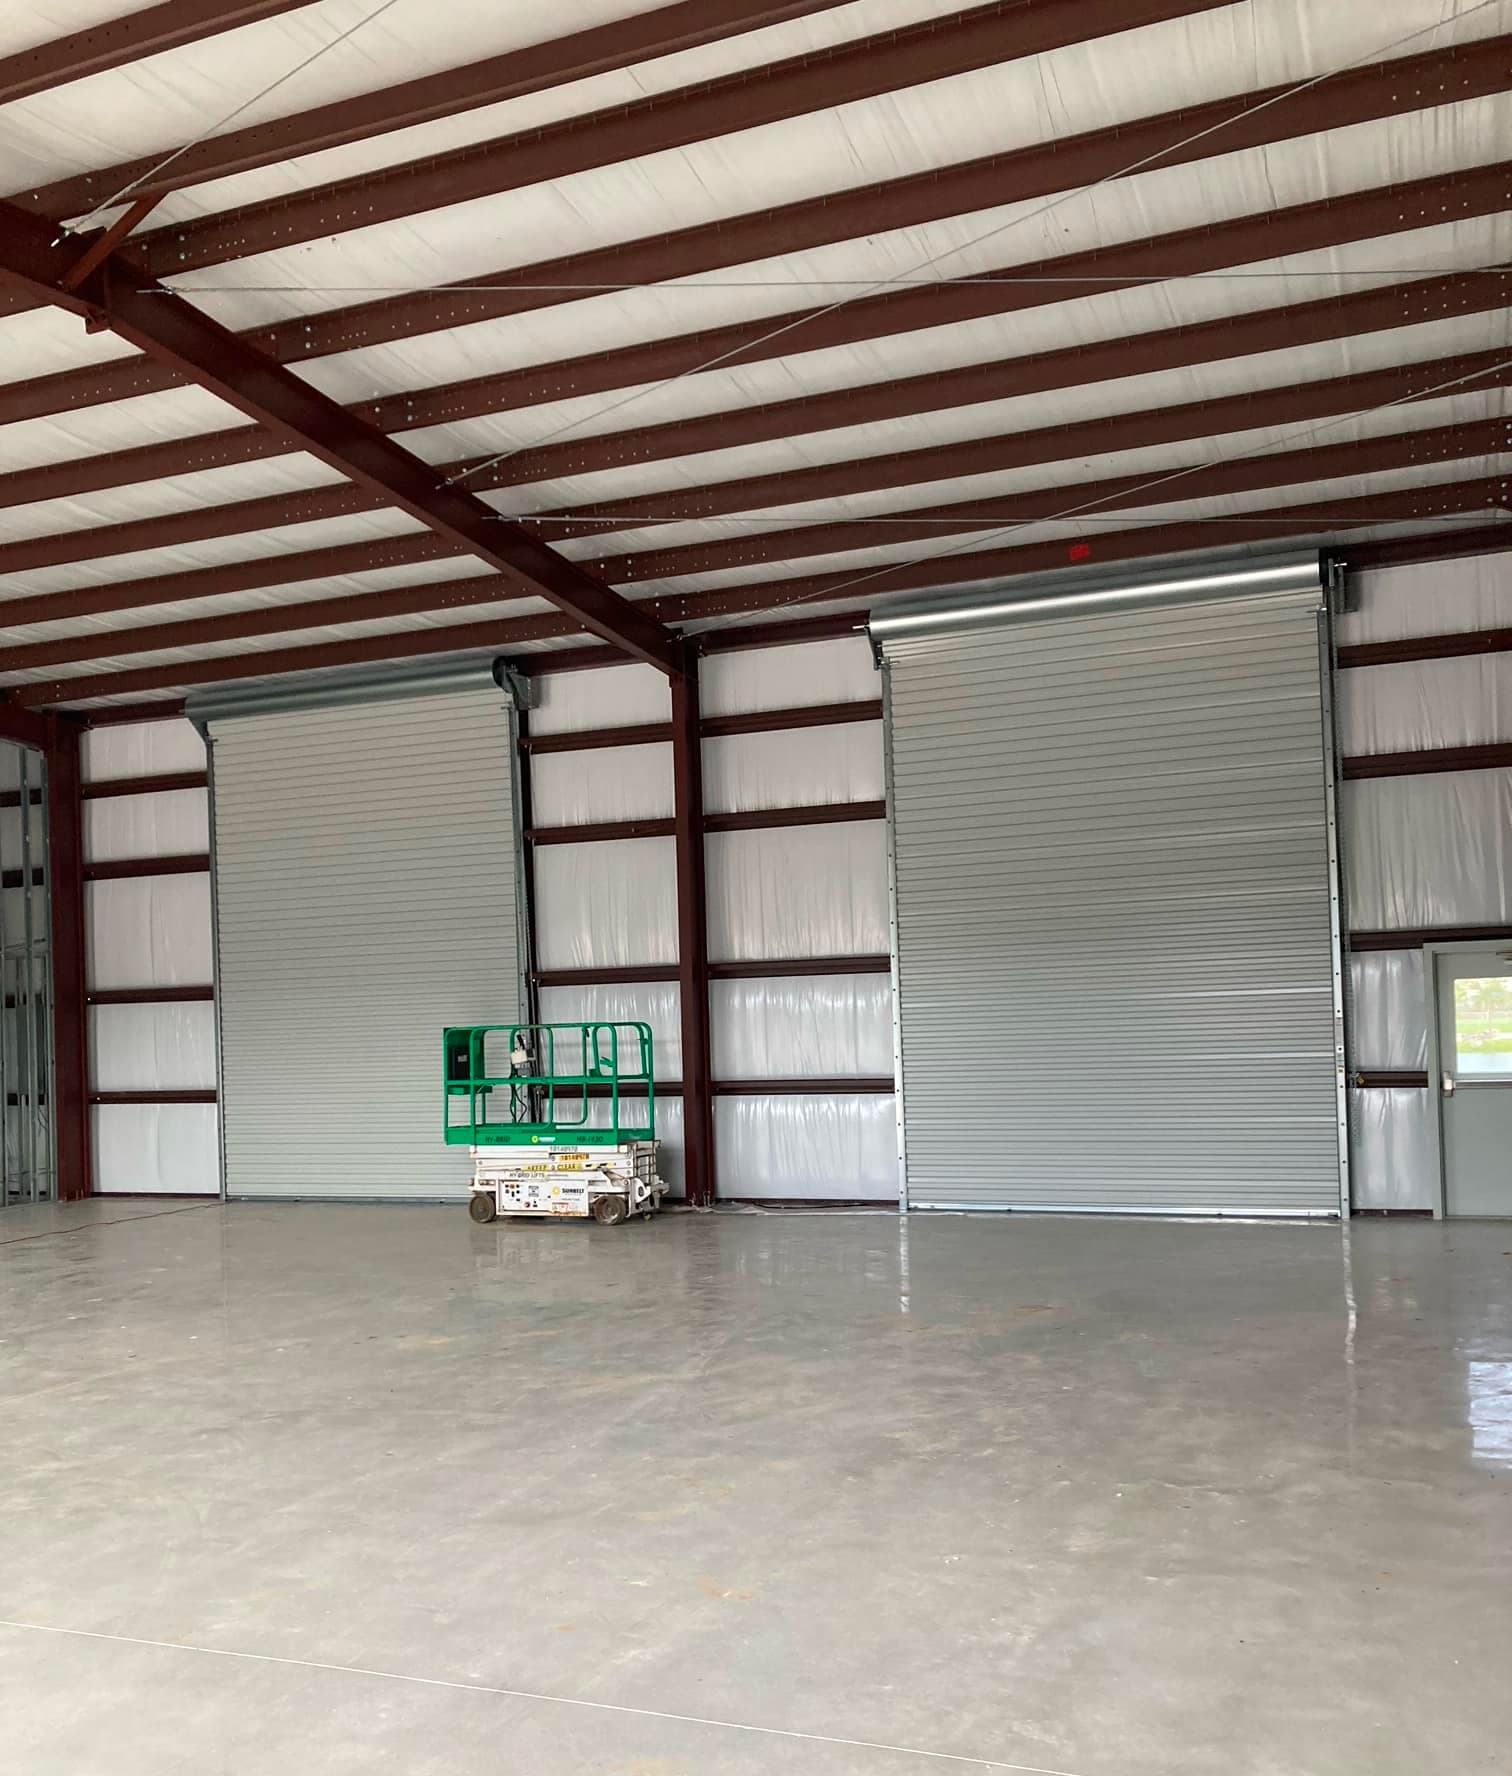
{"x":70,"y":1015}
{"x":699,"y":1176}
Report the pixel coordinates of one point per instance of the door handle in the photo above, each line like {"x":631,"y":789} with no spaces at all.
{"x":1448,"y":1085}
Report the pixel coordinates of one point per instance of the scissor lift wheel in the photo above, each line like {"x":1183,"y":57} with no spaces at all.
{"x":609,"y":1211}
{"x":482,"y":1207}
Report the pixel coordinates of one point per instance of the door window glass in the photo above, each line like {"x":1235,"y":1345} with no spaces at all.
{"x":1483,"y":1025}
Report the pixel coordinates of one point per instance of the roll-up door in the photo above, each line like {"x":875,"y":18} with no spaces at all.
{"x":1115,"y":897}
{"x":365,"y":898}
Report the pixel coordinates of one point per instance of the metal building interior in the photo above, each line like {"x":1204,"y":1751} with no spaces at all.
{"x":951,"y":565}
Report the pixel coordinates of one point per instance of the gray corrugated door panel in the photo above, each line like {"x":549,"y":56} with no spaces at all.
{"x":365,"y":898}
{"x":1115,"y":954}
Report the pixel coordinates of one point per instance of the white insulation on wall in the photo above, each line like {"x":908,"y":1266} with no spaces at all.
{"x":149,"y":931}
{"x":156,"y":1149}
{"x":821,"y":1026}
{"x":1393,"y":1148}
{"x":788,"y":677}
{"x":1429,"y":598}
{"x":152,"y":1047}
{"x":791,"y":891}
{"x":1429,"y":850}
{"x":794,"y":768}
{"x":1420,"y":851}
{"x":144,"y":932}
{"x":163,"y":823}
{"x":1389,"y":1011}
{"x":604,"y":697}
{"x":640,"y":1002}
{"x":605,"y":905}
{"x":608,"y":783}
{"x":142,"y":749}
{"x":1418,"y":704}
{"x":806,"y":1146}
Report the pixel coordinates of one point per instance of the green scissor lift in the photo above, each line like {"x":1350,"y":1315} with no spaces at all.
{"x":560,"y":1118}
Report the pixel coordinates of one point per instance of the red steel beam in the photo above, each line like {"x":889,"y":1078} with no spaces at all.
{"x":65,"y":846}
{"x":1245,"y":474}
{"x":1492,"y":755}
{"x":1025,"y":173}
{"x":1145,"y":427}
{"x":1274,"y":525}
{"x":692,"y":937}
{"x":154,"y":320}
{"x":488,"y":81}
{"x":1462,"y":644}
{"x":780,"y":633}
{"x":1328,"y":318}
{"x":279,"y":619}
{"x":497,"y":635}
{"x":1241,"y":476}
{"x":1492,"y":539}
{"x":117,"y":41}
{"x":235,"y":576}
{"x":865,"y":67}
{"x":159,"y":709}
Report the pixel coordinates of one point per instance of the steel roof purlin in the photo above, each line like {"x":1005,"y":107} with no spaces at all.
{"x":116,"y":294}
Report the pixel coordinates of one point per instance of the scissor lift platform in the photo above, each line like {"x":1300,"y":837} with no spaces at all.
{"x":560,"y":1119}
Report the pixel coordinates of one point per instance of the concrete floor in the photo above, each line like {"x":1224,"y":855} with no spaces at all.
{"x":357,"y":1489}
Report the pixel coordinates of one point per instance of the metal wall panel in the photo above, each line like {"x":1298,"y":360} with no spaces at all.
{"x":365,"y":898}
{"x":1115,"y":958}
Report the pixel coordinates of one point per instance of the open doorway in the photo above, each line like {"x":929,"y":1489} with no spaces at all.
{"x":1473,"y":1010}
{"x":28,"y":1167}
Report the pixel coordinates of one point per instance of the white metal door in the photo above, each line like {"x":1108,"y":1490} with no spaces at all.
{"x":1116,"y":942}
{"x":1475,"y":1082}
{"x":365,"y":899}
